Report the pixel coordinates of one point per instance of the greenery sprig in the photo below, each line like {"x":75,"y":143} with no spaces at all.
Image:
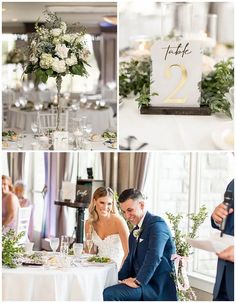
{"x":214,"y":86}
{"x":135,"y":78}
{"x":182,"y":247}
{"x":11,"y":250}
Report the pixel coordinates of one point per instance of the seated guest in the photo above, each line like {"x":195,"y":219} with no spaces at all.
{"x":108,"y":229}
{"x":19,"y":190}
{"x":10,"y":204}
{"x":146,"y":274}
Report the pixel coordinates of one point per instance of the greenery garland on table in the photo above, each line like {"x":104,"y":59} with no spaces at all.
{"x":135,"y":78}
{"x":11,"y":250}
{"x":182,"y":246}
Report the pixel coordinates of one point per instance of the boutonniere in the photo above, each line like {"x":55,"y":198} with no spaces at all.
{"x":137,"y":232}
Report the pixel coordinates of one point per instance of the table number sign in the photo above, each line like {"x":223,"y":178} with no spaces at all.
{"x":176,"y":72}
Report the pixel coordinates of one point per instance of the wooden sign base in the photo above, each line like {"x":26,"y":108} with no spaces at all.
{"x":161,"y":110}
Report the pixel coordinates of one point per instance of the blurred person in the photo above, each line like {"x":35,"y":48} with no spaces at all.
{"x":108,"y":229}
{"x":20,"y":191}
{"x":224,"y":284}
{"x":10,"y":204}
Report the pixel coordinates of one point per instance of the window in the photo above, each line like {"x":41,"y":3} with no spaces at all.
{"x":181,"y":183}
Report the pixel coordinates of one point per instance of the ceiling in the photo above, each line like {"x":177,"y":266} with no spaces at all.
{"x":88,"y":14}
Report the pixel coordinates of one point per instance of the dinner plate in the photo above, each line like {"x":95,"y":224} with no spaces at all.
{"x":223,"y":137}
{"x":99,"y":138}
{"x":110,"y":145}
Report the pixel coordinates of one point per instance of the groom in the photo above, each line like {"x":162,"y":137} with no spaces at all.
{"x":146,"y":272}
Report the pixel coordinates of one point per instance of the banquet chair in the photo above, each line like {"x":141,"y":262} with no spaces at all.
{"x":22,"y":223}
{"x":49,"y":120}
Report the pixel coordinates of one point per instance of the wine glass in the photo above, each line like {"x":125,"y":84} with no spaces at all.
{"x":89,"y":242}
{"x":34,"y":128}
{"x":88,"y":129}
{"x":20,"y":141}
{"x":54,"y":243}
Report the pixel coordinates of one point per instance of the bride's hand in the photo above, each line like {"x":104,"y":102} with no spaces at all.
{"x":130,"y":282}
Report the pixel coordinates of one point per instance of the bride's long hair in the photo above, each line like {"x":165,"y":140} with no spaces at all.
{"x":100,"y":192}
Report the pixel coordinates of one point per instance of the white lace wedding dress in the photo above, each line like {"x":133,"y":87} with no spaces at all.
{"x":109,"y":247}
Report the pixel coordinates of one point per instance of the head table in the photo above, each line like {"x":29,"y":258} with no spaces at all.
{"x":82,"y":283}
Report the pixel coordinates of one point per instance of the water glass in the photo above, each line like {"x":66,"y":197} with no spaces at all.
{"x":54,"y":243}
{"x":64,"y":248}
{"x":77,"y":249}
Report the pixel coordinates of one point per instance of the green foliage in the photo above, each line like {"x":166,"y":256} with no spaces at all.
{"x":214,"y":86}
{"x":182,"y":247}
{"x":10,"y":248}
{"x":135,"y":78}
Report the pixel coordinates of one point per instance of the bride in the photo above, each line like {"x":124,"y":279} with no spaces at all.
{"x":108,"y":229}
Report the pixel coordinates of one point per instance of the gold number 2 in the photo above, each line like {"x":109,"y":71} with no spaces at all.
{"x":171,"y":97}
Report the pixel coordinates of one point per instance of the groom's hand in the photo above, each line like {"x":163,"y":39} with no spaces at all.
{"x":130,"y":282}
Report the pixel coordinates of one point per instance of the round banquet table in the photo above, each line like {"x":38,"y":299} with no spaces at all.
{"x":101,"y":120}
{"x":72,"y":284}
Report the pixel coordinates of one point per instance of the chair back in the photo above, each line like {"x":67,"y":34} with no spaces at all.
{"x":23,"y":220}
{"x":49,"y":120}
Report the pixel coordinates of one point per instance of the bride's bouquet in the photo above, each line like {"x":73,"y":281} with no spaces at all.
{"x":56,"y":51}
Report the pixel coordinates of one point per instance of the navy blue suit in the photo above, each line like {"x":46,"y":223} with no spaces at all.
{"x":149,"y":260}
{"x":224,"y":285}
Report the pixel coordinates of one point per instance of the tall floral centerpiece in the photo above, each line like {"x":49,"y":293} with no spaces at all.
{"x":183,"y":250}
{"x":55,"y":51}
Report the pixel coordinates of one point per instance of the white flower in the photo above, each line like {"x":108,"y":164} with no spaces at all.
{"x":62,"y":51}
{"x":56,"y":41}
{"x":72,"y":60}
{"x":55,"y":32}
{"x":67,"y":38}
{"x":58,"y":66}
{"x":46,"y":61}
{"x":63,"y":27}
{"x":85,"y":53}
{"x":33,"y":59}
{"x":137,"y":232}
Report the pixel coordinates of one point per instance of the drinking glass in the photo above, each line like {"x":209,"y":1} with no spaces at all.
{"x":64,"y":248}
{"x":34,"y":127}
{"x":20,"y":141}
{"x":54,"y":243}
{"x":88,"y":129}
{"x":77,"y":249}
{"x":89,"y":242}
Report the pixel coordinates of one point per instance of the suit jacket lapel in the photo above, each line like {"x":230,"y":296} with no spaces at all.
{"x":145,"y":223}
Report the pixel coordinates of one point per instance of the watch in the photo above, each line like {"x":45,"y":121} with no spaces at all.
{"x":137,"y":282}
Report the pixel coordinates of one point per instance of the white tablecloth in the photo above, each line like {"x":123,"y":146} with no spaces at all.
{"x":74,"y":284}
{"x":169,"y":132}
{"x":101,"y":120}
{"x":29,"y":139}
